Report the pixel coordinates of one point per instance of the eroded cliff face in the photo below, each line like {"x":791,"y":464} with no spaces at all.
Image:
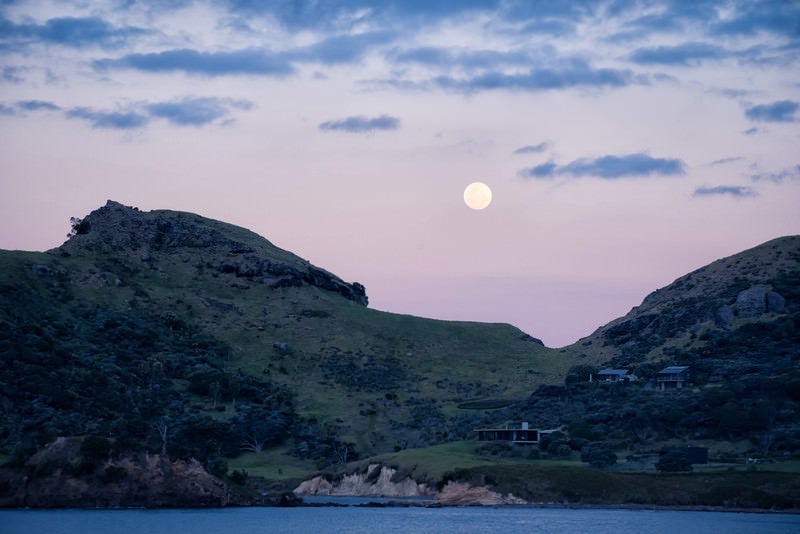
{"x":377,"y":481}
{"x":381,"y":481}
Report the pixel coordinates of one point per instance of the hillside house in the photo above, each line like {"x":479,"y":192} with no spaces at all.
{"x":611,"y":375}
{"x":673,"y":377}
{"x":524,"y":434}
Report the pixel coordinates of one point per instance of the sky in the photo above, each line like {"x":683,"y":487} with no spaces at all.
{"x":626,"y":142}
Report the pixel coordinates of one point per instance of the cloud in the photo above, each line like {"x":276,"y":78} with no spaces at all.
{"x":36,"y":105}
{"x":312,"y":14}
{"x":188,"y":111}
{"x":7,"y":110}
{"x":769,"y":16}
{"x":577,"y":73}
{"x":359,"y":124}
{"x":726,"y":160}
{"x":609,"y":167}
{"x":74,"y":32}
{"x":249,"y":61}
{"x":195,"y":111}
{"x":458,"y":57}
{"x":781,"y":111}
{"x":341,"y":48}
{"x":732,"y":190}
{"x":531,"y":149}
{"x":792,"y":173}
{"x":545,"y":170}
{"x":118,"y":120}
{"x":11,"y":74}
{"x":680,"y":55}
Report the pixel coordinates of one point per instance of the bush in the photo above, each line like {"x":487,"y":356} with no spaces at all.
{"x":113,"y":474}
{"x":239,"y":477}
{"x":599,"y":454}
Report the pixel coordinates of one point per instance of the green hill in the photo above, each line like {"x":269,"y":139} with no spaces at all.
{"x":168,"y":333}
{"x":142,"y":317}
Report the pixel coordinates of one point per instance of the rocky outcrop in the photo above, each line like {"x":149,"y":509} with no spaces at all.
{"x":115,"y":229}
{"x":377,"y":481}
{"x":57,"y":477}
{"x":751,"y":303}
{"x":381,"y":481}
{"x":754,"y":302}
{"x":463,"y":494}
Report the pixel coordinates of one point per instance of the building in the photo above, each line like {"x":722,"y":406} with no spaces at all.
{"x":673,"y":377}
{"x":523,"y":434}
{"x":611,"y":375}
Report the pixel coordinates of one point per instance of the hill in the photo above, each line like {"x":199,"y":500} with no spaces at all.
{"x":149,"y":317}
{"x":162,"y":342}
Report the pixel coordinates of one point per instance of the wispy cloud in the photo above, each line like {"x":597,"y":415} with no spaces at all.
{"x":575,"y":75}
{"x":680,"y":55}
{"x":723,"y":161}
{"x":11,"y":74}
{"x":361,"y":124}
{"x":532,"y":149}
{"x":341,"y":48}
{"x":730,"y":190}
{"x":188,"y":111}
{"x":781,"y":111}
{"x":249,"y":62}
{"x":117,"y":120}
{"x":453,"y":57}
{"x":609,"y":167}
{"x":36,"y":105}
{"x":792,"y":173}
{"x":196,"y":111}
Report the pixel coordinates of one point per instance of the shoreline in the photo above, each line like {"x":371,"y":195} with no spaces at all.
{"x":434,"y":504}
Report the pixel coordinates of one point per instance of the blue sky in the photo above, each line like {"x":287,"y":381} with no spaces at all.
{"x":626,"y":142}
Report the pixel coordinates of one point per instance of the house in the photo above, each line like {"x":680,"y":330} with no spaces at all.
{"x":524,"y":434}
{"x":611,"y":375}
{"x":675,"y":376}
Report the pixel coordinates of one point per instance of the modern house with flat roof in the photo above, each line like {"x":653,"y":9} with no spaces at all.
{"x":523,"y":434}
{"x":611,"y":375}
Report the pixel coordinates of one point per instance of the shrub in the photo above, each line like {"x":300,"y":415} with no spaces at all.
{"x":599,"y":454}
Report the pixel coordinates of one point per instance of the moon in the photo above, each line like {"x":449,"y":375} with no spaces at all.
{"x":477,"y":195}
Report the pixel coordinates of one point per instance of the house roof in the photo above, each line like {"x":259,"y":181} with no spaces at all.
{"x":674,"y":369}
{"x":613,"y":372}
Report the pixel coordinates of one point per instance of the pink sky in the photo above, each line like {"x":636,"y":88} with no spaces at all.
{"x":626,"y":144}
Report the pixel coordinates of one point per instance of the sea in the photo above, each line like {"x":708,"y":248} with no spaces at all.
{"x":412,"y":519}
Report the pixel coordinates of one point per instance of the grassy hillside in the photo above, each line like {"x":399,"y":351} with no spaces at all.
{"x":143,"y":317}
{"x":167,"y":332}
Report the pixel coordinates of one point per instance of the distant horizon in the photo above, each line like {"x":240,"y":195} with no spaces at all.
{"x":625,"y":143}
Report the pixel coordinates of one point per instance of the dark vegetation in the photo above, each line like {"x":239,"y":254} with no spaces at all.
{"x":554,"y":484}
{"x":140,"y":380}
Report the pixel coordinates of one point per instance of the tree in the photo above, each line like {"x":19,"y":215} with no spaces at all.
{"x":162,"y":429}
{"x":599,"y":454}
{"x":78,"y":226}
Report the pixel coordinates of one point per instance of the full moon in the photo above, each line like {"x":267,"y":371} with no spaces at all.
{"x":477,"y":195}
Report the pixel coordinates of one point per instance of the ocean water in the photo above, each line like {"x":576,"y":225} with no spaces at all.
{"x":358,"y":519}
